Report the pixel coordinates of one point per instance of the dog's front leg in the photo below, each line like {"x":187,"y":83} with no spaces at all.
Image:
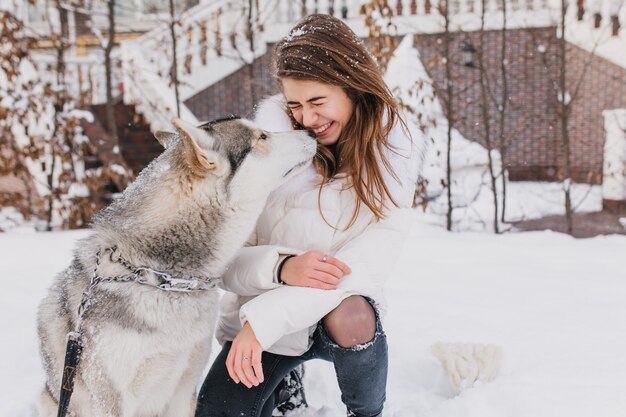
{"x":183,"y":402}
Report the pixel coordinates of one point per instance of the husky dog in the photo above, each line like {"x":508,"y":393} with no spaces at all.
{"x":185,"y":216}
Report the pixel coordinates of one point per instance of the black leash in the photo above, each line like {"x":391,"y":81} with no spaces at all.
{"x":74,"y":348}
{"x":72,"y":359}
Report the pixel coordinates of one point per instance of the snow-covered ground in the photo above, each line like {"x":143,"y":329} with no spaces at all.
{"x":555,"y":305}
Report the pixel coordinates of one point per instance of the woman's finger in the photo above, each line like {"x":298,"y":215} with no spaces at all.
{"x":336,"y":262}
{"x":239,"y":370}
{"x":329,"y":269}
{"x":324,"y":277}
{"x":316,"y":283}
{"x":230,"y":365}
{"x":246,"y":365}
{"x":257,"y":366}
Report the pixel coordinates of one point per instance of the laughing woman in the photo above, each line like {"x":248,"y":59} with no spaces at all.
{"x":309,"y":284}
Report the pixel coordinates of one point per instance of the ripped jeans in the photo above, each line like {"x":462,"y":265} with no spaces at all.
{"x":361,"y":374}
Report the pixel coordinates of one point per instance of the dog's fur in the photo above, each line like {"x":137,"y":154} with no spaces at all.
{"x":186,"y":214}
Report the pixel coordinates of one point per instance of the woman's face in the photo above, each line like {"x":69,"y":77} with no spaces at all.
{"x":323,"y":108}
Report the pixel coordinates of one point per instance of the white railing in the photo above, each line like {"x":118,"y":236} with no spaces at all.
{"x":150,"y":93}
{"x":284,"y":11}
{"x":210,"y":45}
{"x":288,"y":11}
{"x":84,"y":75}
{"x":598,"y":30}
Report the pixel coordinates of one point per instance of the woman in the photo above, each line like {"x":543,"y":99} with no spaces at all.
{"x":309,"y":283}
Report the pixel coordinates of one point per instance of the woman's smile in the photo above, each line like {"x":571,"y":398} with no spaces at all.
{"x":322,"y":130}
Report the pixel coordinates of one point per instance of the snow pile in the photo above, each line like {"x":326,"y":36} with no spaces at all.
{"x":554,"y":304}
{"x":614,"y":165}
{"x":410,"y":82}
{"x":10,"y":218}
{"x":468,"y":364}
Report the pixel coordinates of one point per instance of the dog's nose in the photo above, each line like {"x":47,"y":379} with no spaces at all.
{"x":311,"y":133}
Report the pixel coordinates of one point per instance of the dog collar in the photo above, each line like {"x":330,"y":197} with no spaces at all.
{"x":152,"y":277}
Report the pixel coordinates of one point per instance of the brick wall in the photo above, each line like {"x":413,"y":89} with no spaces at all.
{"x":533,"y":125}
{"x":232,"y":94}
{"x":137,"y":144}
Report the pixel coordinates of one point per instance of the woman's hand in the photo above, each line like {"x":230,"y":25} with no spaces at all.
{"x":244,"y":358}
{"x":313,"y":269}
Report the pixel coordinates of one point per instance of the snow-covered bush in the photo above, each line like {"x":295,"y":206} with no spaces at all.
{"x":41,"y":141}
{"x":413,"y":87}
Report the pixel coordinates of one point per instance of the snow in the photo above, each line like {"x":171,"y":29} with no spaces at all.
{"x":599,"y":41}
{"x":81,"y":114}
{"x":295,"y":34}
{"x":118,"y":169}
{"x":614,"y":164}
{"x":554,"y":304}
{"x":10,"y":218}
{"x":78,"y":190}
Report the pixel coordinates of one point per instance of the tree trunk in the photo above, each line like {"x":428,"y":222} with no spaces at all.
{"x":449,"y":111}
{"x":250,"y":65}
{"x":564,"y":116}
{"x":502,"y":110}
{"x":484,"y":87}
{"x":111,"y":125}
{"x":174,"y":69}
{"x":59,"y":105}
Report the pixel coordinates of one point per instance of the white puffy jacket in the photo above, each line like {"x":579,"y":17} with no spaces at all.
{"x":284,"y":317}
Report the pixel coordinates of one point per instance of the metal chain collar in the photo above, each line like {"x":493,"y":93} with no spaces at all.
{"x":139,"y":275}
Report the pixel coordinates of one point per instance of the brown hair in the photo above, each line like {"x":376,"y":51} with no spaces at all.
{"x":322,"y":48}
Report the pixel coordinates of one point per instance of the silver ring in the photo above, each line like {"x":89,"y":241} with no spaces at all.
{"x":246,"y":357}
{"x":325,"y":258}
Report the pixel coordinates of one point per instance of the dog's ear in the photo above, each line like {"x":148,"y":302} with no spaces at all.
{"x":198,"y":147}
{"x":165,"y":138}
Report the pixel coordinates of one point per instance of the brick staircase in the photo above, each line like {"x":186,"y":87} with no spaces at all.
{"x":137,"y":144}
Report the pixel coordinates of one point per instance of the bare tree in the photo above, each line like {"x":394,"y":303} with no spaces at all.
{"x":174,"y":69}
{"x":252,"y":25}
{"x":503,"y":108}
{"x":564,"y":110}
{"x":111,"y":124}
{"x":567,"y":86}
{"x":57,"y":188}
{"x":485,"y":106}
{"x":444,"y":9}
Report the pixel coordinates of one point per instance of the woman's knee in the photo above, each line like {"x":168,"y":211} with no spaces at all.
{"x":351,"y":323}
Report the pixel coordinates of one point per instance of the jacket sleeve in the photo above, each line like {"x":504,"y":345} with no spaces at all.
{"x":253,"y":270}
{"x":371,"y":256}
